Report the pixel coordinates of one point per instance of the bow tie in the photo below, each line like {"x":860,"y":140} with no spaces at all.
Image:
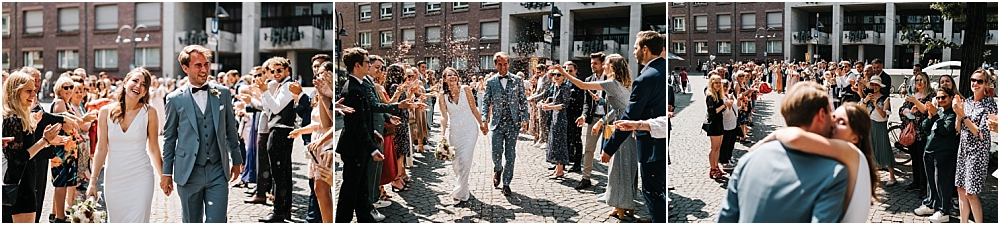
{"x":196,"y":90}
{"x":504,"y":77}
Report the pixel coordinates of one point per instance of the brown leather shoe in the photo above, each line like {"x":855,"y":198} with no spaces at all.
{"x":255,"y":200}
{"x":644,"y":220}
{"x":496,"y":179}
{"x":583,"y":184}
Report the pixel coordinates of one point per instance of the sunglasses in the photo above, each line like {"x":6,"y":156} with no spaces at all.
{"x":556,"y":74}
{"x":941,"y":97}
{"x":977,"y":81}
{"x":67,"y":88}
{"x":277,"y":70}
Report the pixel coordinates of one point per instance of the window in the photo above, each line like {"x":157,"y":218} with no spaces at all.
{"x":678,"y":23}
{"x":6,"y":60}
{"x":433,"y":63}
{"x":385,"y":11}
{"x":701,"y":23}
{"x":6,"y":24}
{"x":749,"y":46}
{"x":490,"y":30}
{"x":33,"y":58}
{"x":676,"y":3}
{"x":409,"y":36}
{"x":748,"y":21}
{"x":69,"y":20}
{"x":147,"y":57}
{"x":33,"y":22}
{"x":366,"y":39}
{"x":409,"y":60}
{"x":701,"y":47}
{"x":725,"y":47}
{"x":460,"y":32}
{"x":148,"y":13}
{"x":107,"y":17}
{"x":366,"y":12}
{"x":460,"y":63}
{"x":69,"y":59}
{"x":774,"y":19}
{"x":385,"y":38}
{"x":725,"y":22}
{"x":433,"y":7}
{"x":486,"y":62}
{"x":433,"y":34}
{"x":680,"y":47}
{"x":774,"y":46}
{"x":459,"y":6}
{"x":701,"y":3}
{"x":489,"y":4}
{"x":409,"y":8}
{"x":105,"y":58}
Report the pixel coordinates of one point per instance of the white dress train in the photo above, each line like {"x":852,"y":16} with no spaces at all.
{"x":128,"y":179}
{"x":463,"y":132}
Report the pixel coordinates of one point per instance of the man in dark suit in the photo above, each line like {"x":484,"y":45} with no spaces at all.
{"x":648,"y":101}
{"x":357,"y":146}
{"x":593,"y":111}
{"x":574,"y":110}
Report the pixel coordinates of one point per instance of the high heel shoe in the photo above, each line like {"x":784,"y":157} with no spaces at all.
{"x":617,"y":213}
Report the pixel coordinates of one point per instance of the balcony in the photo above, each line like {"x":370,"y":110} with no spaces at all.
{"x":582,"y":49}
{"x":930,"y":33}
{"x":863,"y":37}
{"x":806,"y":37}
{"x":324,"y":22}
{"x":991,"y":37}
{"x":305,"y":37}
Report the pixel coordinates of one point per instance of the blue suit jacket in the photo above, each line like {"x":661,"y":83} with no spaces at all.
{"x":180,"y":147}
{"x":648,"y":100}
{"x":495,"y":92}
{"x":775,"y":185}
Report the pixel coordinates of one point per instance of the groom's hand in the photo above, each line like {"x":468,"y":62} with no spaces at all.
{"x":167,"y":184}
{"x":234,"y":172}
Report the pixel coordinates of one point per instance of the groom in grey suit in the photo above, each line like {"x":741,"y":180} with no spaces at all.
{"x":774,"y":184}
{"x":200,"y":141}
{"x":506,"y":104}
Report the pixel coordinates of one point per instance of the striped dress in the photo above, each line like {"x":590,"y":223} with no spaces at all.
{"x":624,"y":168}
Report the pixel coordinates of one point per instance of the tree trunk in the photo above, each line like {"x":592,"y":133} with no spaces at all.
{"x":973,"y":44}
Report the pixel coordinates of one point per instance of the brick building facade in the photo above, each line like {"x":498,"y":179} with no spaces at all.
{"x":729,"y":31}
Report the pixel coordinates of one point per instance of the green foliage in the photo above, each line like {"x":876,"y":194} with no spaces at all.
{"x":950,"y":10}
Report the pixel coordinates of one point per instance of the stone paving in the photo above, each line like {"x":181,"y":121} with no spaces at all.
{"x":167,"y":209}
{"x":698,"y":198}
{"x":535,"y":198}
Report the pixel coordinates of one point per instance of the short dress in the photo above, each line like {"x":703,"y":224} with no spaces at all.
{"x":714,"y":118}
{"x":64,"y":165}
{"x":18,"y":169}
{"x":974,"y":152}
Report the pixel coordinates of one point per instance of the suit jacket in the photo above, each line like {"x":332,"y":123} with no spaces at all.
{"x":776,"y":185}
{"x":648,"y":100}
{"x":304,"y":109}
{"x":180,"y":132}
{"x":358,"y":142}
{"x":513,"y":93}
{"x":590,"y":106}
{"x":373,"y":97}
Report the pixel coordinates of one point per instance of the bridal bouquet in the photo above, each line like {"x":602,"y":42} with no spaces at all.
{"x":86,"y":212}
{"x":444,"y":151}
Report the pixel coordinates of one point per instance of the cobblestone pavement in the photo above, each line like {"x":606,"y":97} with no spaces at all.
{"x":535,"y":198}
{"x":167,"y":209}
{"x":698,"y":198}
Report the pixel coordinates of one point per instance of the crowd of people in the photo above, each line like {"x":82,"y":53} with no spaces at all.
{"x":389,"y":110}
{"x":947,"y":136}
{"x":211,"y":128}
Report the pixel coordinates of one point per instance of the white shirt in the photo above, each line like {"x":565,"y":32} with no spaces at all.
{"x":658,"y":127}
{"x":200,"y":98}
{"x":281,"y":98}
{"x":503,"y":81}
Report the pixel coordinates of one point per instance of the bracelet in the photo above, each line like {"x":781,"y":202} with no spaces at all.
{"x":47,"y":143}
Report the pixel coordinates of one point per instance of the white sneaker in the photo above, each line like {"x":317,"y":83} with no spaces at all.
{"x":382,"y":204}
{"x":378,"y":216}
{"x":544,"y":146}
{"x":939,"y":218}
{"x":923,"y":210}
{"x":602,"y":199}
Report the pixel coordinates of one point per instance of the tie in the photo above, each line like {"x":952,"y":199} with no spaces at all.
{"x":503,"y":77}
{"x":197,"y":89}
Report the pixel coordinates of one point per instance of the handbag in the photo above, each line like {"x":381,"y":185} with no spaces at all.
{"x":909,"y":135}
{"x":10,"y":190}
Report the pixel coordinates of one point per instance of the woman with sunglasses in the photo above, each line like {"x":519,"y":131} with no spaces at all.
{"x":914,"y":110}
{"x":64,"y":165}
{"x":558,"y":149}
{"x":974,"y":147}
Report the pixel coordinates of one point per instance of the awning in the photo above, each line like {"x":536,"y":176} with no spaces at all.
{"x":671,"y":56}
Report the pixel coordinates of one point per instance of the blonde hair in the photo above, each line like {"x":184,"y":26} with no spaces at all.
{"x":713,"y":93}
{"x":59,"y":84}
{"x":11,"y":99}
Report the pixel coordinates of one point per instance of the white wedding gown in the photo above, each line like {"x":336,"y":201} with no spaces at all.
{"x":861,"y":197}
{"x":463,"y":131}
{"x":128,"y":179}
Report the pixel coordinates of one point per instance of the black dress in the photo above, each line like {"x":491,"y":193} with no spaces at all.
{"x":714,"y":117}
{"x":17,"y":156}
{"x":558,"y":149}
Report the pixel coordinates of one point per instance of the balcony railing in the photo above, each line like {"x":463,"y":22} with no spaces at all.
{"x":879,"y":28}
{"x":324,"y":22}
{"x":620,"y":38}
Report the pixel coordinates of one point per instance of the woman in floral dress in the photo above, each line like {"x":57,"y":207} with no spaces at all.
{"x":974,"y":146}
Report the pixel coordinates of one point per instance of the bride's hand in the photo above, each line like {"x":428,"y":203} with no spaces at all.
{"x":91,"y":191}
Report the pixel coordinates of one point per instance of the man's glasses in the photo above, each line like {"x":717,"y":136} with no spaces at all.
{"x":277,"y":70}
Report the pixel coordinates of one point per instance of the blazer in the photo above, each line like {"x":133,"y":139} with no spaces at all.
{"x":358,"y":143}
{"x":495,"y":93}
{"x":180,"y":132}
{"x":648,"y":101}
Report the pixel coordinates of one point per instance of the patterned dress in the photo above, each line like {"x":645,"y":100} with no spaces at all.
{"x":558,"y":149}
{"x":974,"y":152}
{"x":402,"y":138}
{"x":624,"y":168}
{"x":64,"y":164}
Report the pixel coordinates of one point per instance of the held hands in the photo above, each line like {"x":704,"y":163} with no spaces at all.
{"x":484,"y":128}
{"x":627,"y":125}
{"x":167,"y":184}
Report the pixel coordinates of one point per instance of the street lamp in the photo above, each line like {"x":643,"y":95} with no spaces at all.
{"x":132,"y":39}
{"x":554,"y":13}
{"x":765,"y":37}
{"x":219,"y":13}
{"x":340,"y":32}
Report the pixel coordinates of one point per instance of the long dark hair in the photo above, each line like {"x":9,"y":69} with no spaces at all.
{"x":859,"y":121}
{"x":118,"y":112}
{"x":394,"y":75}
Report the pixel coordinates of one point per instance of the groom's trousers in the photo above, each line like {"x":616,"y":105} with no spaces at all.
{"x":353,"y":196}
{"x":504,"y":138}
{"x":206,"y":194}
{"x":279,"y":150}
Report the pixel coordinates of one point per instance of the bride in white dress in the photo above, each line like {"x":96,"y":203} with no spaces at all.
{"x":461,"y":126}
{"x":128,"y":140}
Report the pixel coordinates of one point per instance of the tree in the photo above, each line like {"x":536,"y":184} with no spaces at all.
{"x":974,"y":42}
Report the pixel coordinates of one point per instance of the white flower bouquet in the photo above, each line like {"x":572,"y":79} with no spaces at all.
{"x":86,"y":212}
{"x":444,"y":151}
